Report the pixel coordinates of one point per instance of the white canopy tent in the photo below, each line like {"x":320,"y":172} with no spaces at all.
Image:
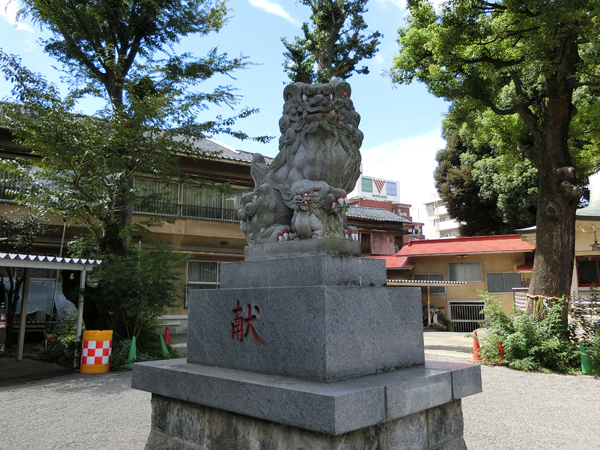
{"x":29,"y":262}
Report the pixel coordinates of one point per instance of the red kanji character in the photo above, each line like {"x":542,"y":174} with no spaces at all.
{"x":237,"y":326}
{"x":250,"y":327}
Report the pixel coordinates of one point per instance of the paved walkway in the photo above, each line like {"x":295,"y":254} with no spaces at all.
{"x":448,"y":344}
{"x":516,"y":410}
{"x":437,"y":343}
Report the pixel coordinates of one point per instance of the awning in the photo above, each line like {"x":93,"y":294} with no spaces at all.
{"x":423,"y":283}
{"x":29,"y":262}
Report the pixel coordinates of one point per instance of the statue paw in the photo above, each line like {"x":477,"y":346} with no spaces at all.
{"x":285,"y":235}
{"x":341,"y":200}
{"x":351,"y":235}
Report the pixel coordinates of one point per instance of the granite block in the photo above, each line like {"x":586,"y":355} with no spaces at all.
{"x":408,"y":433}
{"x":227,"y":431}
{"x":331,"y":408}
{"x":304,"y":247}
{"x":466,"y":378}
{"x":304,"y":271}
{"x":314,"y":333}
{"x":418,"y":394}
{"x":323,"y":407}
{"x":445,"y":424}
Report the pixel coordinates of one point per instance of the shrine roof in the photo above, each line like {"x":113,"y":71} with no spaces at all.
{"x":459,"y":246}
{"x":378,"y":214}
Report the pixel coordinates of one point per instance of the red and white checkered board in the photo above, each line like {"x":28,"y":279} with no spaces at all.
{"x":96,"y":352}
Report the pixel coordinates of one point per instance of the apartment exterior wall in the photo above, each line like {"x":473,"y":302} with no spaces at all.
{"x":494,"y":263}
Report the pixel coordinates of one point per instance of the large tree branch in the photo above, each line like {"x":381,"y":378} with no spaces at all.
{"x":586,"y":83}
{"x":498,"y":63}
{"x":527,"y":116}
{"x":496,"y":8}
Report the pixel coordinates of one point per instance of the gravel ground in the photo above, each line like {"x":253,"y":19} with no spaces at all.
{"x":516,"y":410}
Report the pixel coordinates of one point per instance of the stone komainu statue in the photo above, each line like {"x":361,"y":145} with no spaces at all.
{"x":302,"y":194}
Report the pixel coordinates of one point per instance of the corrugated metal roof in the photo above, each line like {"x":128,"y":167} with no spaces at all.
{"x":378,"y":214}
{"x":509,"y":243}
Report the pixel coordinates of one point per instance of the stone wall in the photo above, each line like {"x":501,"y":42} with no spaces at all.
{"x":182,"y":425}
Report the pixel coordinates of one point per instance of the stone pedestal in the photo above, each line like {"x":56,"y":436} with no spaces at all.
{"x":304,"y":347}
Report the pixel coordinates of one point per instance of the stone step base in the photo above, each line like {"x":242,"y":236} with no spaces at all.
{"x":330,"y":408}
{"x":177,"y":424}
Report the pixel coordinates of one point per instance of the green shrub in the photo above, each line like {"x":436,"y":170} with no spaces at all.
{"x":530,"y":343}
{"x":148,"y":349}
{"x":138,"y":288}
{"x":61,"y":341}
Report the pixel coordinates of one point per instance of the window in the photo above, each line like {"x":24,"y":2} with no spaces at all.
{"x":588,"y":270}
{"x":10,"y":186}
{"x":159,"y":198}
{"x":503,"y":282}
{"x":365,"y":243}
{"x":185,"y":200}
{"x":391,"y":188}
{"x":432,"y":289}
{"x":470,"y":271}
{"x":202,"y":275}
{"x":367,"y":185}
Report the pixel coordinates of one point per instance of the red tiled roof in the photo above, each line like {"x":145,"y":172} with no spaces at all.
{"x":509,"y":243}
{"x":395,"y":262}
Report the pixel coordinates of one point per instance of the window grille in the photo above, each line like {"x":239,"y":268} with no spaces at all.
{"x":201,"y":275}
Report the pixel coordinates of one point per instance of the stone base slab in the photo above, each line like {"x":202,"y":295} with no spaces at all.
{"x":304,"y":271}
{"x":330,"y":408}
{"x":180,"y":425}
{"x":322,"y":333}
{"x":304,"y":247}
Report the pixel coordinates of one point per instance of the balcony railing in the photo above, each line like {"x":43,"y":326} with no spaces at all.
{"x":9,"y":189}
{"x":187,"y":211}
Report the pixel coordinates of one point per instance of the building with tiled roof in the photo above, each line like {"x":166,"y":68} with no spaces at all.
{"x":466,"y":246}
{"x":494,"y":264}
{"x":388,"y":210}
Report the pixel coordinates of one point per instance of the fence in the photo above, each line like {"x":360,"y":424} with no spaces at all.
{"x":187,"y":211}
{"x":466,"y":316}
{"x":520,"y":299}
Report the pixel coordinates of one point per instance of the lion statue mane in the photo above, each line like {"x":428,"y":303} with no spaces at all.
{"x":302,"y":193}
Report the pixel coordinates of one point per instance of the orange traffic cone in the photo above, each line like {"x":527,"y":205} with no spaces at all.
{"x":168,"y":336}
{"x":501,"y":352}
{"x":476,"y":356}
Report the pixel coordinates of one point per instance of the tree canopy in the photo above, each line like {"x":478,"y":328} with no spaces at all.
{"x":530,"y":60}
{"x":121,"y":52}
{"x":480,"y":190}
{"x":82,"y":167}
{"x":335,"y":42}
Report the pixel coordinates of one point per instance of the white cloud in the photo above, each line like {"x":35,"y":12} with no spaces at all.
{"x":8,"y":11}
{"x":398,"y":3}
{"x":410,"y":161}
{"x":274,"y":8}
{"x":402,"y":3}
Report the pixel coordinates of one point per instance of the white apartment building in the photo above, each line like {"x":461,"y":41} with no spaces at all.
{"x":439,"y":224}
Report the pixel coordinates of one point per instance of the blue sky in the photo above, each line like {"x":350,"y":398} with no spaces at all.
{"x":401,"y":124}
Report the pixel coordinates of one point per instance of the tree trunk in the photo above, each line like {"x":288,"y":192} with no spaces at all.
{"x":558,"y":195}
